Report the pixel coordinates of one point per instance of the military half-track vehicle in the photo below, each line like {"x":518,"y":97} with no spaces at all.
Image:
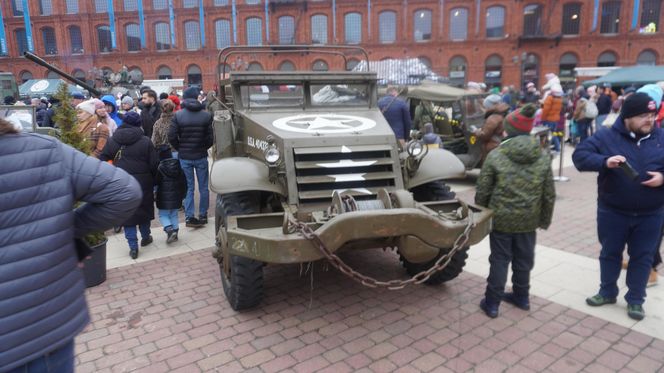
{"x":305,"y":166}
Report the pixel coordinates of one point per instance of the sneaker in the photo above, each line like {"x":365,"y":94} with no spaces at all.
{"x":598,"y":300}
{"x":193,"y":223}
{"x":172,"y":236}
{"x":518,"y":301}
{"x":652,"y":279}
{"x":203,"y":220}
{"x":635,"y":311}
{"x":490,"y":309}
{"x":133,"y":253}
{"x":146,"y":241}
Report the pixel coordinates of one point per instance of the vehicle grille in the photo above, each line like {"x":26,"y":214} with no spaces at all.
{"x":356,"y":170}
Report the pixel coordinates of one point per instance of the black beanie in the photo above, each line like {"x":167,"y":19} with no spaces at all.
{"x":191,"y":93}
{"x":637,"y":104}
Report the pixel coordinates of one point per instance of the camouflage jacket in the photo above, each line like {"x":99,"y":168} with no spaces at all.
{"x":516,"y":182}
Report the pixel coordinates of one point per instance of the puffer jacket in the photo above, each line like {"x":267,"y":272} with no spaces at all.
{"x":42,"y":292}
{"x":171,"y":185}
{"x":491,"y":132}
{"x":516,"y":182}
{"x":191,"y":131}
{"x":552,"y":108}
{"x":108,"y":99}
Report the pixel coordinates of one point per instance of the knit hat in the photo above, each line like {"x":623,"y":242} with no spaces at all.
{"x":127,"y":100}
{"x":191,"y":92}
{"x":637,"y":104}
{"x":520,"y":121}
{"x":87,"y":106}
{"x":99,"y":104}
{"x":132,"y":118}
{"x":78,"y":95}
{"x":491,"y":101}
{"x":654,"y":91}
{"x":175,"y":100}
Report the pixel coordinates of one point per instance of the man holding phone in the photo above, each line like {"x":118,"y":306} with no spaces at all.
{"x":629,"y":157}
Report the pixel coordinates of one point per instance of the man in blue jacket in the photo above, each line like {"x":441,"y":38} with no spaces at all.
{"x":396,"y":113}
{"x":629,"y":157}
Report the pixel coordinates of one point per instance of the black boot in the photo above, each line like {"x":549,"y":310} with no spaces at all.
{"x":172,"y":236}
{"x":146,"y":241}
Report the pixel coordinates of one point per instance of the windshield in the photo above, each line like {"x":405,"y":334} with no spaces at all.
{"x":20,"y":116}
{"x":272,"y":96}
{"x":339,"y":94}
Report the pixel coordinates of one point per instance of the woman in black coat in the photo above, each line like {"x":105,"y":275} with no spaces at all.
{"x":132,"y":151}
{"x":171,"y":189}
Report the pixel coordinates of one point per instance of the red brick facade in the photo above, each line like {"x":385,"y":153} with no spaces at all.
{"x":627,"y":44}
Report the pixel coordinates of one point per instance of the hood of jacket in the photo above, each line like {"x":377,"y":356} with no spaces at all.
{"x":619,"y":125}
{"x":500,"y":109}
{"x":522,"y":149}
{"x":127,"y":135}
{"x":170,"y":168}
{"x":192,"y":104}
{"x":108,"y":99}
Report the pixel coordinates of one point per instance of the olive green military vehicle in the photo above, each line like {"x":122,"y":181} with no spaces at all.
{"x":305,"y":167}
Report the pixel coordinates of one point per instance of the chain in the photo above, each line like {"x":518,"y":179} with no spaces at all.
{"x":371,"y":282}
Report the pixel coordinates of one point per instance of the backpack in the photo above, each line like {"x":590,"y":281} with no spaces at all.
{"x":591,"y":111}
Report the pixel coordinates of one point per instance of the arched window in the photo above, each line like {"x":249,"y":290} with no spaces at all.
{"x":79,"y":74}
{"x":254,"y":31}
{"x":353,"y":28}
{"x":130,"y":5}
{"x":286,"y":30}
{"x":104,"y":38}
{"x":532,"y":20}
{"x":223,"y":70}
{"x":194,"y":76}
{"x":287,"y":66}
{"x":164,"y":72}
{"x":650,"y":11}
{"x":101,"y":6}
{"x":72,"y":6}
{"x":133,"y":35}
{"x":222,"y":30}
{"x":319,"y":65}
{"x":351,"y":63}
{"x":422,"y":25}
{"x":75,"y":39}
{"x":571,"y":19}
{"x":530,"y":70}
{"x":162,"y":36}
{"x":493,"y":67}
{"x":192,"y":36}
{"x":459,"y":24}
{"x":21,"y":40}
{"x":50,"y":43}
{"x":426,"y":61}
{"x":220,"y":2}
{"x":159,"y":4}
{"x":495,"y":22}
{"x":189,"y":3}
{"x":607,"y":59}
{"x":647,"y":57}
{"x":458,"y":71}
{"x":610,"y":17}
{"x":568,"y":62}
{"x":52,"y":75}
{"x":45,"y":7}
{"x":319,"y":29}
{"x":387,"y":26}
{"x":25,"y":76}
{"x":255,"y":66}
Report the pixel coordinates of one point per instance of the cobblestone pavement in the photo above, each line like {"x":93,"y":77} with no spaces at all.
{"x":170,"y":315}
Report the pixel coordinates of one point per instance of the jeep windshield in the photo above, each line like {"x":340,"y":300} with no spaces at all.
{"x":267,"y":96}
{"x":301,"y":94}
{"x":339,"y":94}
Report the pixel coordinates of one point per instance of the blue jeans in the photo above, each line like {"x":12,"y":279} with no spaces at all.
{"x":201,"y":167}
{"x":600,"y":120}
{"x":131,"y":236}
{"x":60,"y":360}
{"x":641,"y":235}
{"x":555,"y":140}
{"x":169,"y":218}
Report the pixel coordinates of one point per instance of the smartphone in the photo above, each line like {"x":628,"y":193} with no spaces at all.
{"x":629,"y":170}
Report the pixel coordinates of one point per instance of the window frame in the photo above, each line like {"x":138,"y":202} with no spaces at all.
{"x":650,"y":51}
{"x":49,"y":7}
{"x":502,"y":27}
{"x":610,"y":28}
{"x":537,"y":24}
{"x":452,"y":29}
{"x":133,"y":5}
{"x":218,"y":33}
{"x":317,"y":23}
{"x":283,"y":30}
{"x":189,"y":35}
{"x":21,"y":43}
{"x":157,"y":34}
{"x":569,"y":24}
{"x":387,"y":35}
{"x":426,"y":14}
{"x":71,"y":39}
{"x":101,"y":6}
{"x":251,"y":32}
{"x":159,"y":70}
{"x":72,"y":6}
{"x":132,"y":43}
{"x":607,"y":53}
{"x":98,"y":35}
{"x":656,"y":7}
{"x":350,"y":31}
{"x":45,"y":42}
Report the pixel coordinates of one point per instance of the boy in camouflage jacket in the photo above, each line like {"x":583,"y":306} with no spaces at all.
{"x":516,"y":182}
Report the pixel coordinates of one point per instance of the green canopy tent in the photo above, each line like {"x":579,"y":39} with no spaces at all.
{"x":632,"y":75}
{"x":438,"y":92}
{"x":44,"y":87}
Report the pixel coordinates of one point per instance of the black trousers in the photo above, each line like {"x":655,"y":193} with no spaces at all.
{"x":517,"y":249}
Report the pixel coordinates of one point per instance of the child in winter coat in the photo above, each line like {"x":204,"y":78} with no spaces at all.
{"x":171,"y":190}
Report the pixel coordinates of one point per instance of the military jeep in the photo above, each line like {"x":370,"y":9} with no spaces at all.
{"x":305,"y":167}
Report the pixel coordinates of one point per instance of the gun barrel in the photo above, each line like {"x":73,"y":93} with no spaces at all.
{"x":40,"y":61}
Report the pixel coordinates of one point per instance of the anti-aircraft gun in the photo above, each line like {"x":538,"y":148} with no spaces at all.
{"x":306,"y":166}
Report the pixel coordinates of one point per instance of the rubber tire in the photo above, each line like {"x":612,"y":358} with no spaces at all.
{"x":433,"y":191}
{"x":244,"y":287}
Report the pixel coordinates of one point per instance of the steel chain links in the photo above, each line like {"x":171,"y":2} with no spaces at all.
{"x":371,"y":282}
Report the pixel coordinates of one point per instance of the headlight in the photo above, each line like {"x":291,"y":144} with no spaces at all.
{"x":272,"y":155}
{"x":415,"y":148}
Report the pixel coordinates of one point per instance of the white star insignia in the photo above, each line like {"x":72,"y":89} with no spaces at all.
{"x":321,"y":122}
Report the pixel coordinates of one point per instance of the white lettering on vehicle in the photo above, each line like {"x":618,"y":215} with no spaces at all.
{"x":256,"y":143}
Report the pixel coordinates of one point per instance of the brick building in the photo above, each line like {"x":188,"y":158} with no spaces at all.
{"x":497,"y":41}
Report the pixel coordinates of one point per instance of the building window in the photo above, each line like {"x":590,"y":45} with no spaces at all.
{"x":72,"y":6}
{"x":350,"y":65}
{"x":162,"y":34}
{"x":130,"y":5}
{"x":75,"y":39}
{"x":222,"y":30}
{"x":287,"y":66}
{"x":610,"y":17}
{"x":387,"y":26}
{"x":17,"y":8}
{"x":45,"y":7}
{"x":568,"y":62}
{"x":159,"y":4}
{"x":79,"y":74}
{"x":252,"y":2}
{"x":133,"y":37}
{"x":459,"y":24}
{"x":647,"y":57}
{"x":319,"y":65}
{"x":458,"y":71}
{"x":192,"y":36}
{"x":650,"y":11}
{"x":532,"y":20}
{"x":255,"y":66}
{"x":319,"y":29}
{"x":25,"y":76}
{"x":493,"y":67}
{"x":254,"y":31}
{"x":101,"y":6}
{"x":104,"y":38}
{"x":164,"y":72}
{"x":286,"y":30}
{"x":607,"y":59}
{"x":21,"y":40}
{"x":194,"y":76}
{"x":190,"y":3}
{"x":353,"y":28}
{"x":50,"y":43}
{"x":495,"y":22}
{"x":571,"y":19}
{"x":52,"y":75}
{"x":530,"y":70}
{"x":220,"y":2}
{"x":223,"y":70}
{"x":422,"y":25}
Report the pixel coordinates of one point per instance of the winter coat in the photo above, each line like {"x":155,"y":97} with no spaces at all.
{"x":397,"y":114}
{"x":48,"y":117}
{"x":160,"y":131}
{"x":603,"y":104}
{"x":579,"y":114}
{"x":42,"y":292}
{"x":108,"y":99}
{"x":131,"y":151}
{"x":615,"y":190}
{"x":96,"y":133}
{"x":491,"y":133}
{"x":191,"y":131}
{"x":149,"y":115}
{"x":516,"y":182}
{"x":551,"y":109}
{"x":171,"y":184}
{"x":40,"y":115}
